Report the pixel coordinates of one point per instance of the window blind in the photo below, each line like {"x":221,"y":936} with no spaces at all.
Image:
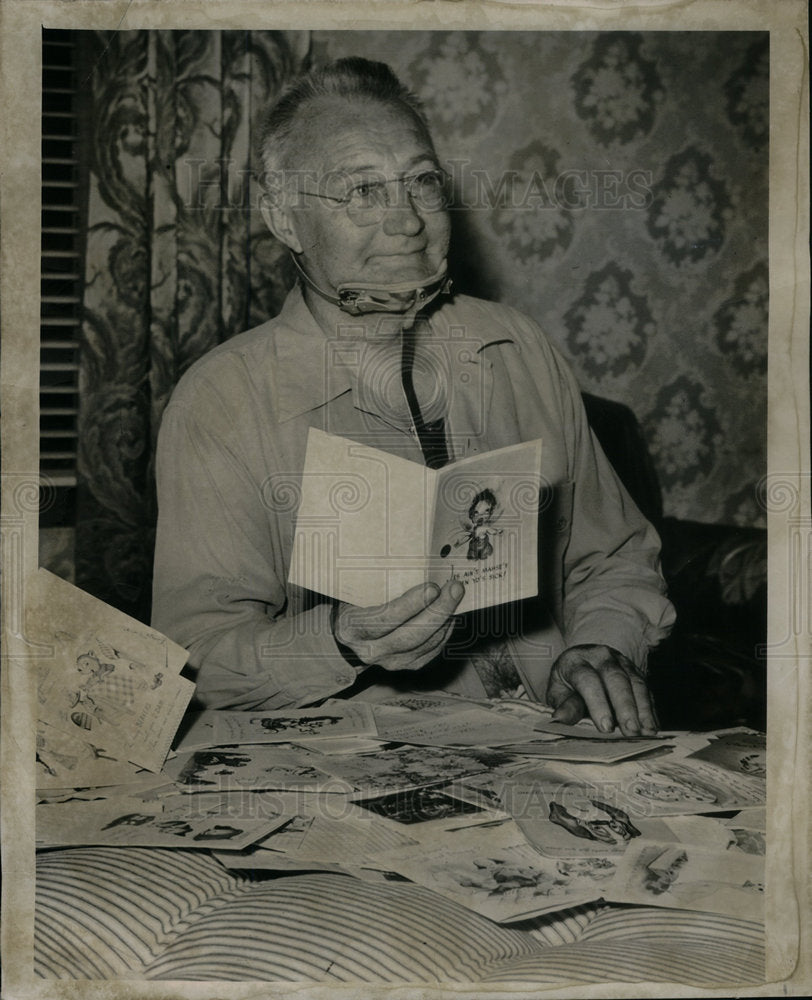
{"x":61,"y":271}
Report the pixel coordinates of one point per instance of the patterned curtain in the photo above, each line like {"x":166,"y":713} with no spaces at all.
{"x":178,"y":260}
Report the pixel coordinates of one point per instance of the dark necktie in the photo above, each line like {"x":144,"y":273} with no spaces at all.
{"x":486,"y":648}
{"x":430,"y":435}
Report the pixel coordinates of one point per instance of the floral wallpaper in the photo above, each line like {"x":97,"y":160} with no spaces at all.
{"x":614,"y":186}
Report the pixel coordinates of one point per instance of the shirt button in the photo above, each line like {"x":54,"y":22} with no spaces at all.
{"x":561,"y":523}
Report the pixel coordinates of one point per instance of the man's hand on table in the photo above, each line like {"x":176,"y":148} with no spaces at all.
{"x":600,"y":682}
{"x":404,"y":634}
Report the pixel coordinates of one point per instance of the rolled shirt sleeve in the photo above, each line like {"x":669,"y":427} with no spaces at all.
{"x":216,"y":591}
{"x":613,"y":591}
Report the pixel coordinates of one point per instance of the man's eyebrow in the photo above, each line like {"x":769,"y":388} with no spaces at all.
{"x":359,"y":168}
{"x":423,"y":158}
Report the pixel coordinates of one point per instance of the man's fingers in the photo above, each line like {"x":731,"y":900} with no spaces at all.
{"x":630,"y":701}
{"x":405,"y":633}
{"x":424,"y":626}
{"x":426,"y":622}
{"x":414,"y":659}
{"x":590,"y":686}
{"x":580,"y":677}
{"x":573,"y":673}
{"x":612,"y":689}
{"x":654,"y":714}
{"x":617,"y":683}
{"x":571,"y":710}
{"x":394,"y":657}
{"x":380,"y":620}
{"x":645,"y":705}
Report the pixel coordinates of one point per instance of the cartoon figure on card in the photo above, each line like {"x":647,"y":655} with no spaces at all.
{"x":605,"y":823}
{"x":664,"y":870}
{"x":130,"y":819}
{"x":176,"y":826}
{"x":105,"y":690}
{"x":478,"y":527}
{"x":142,"y":676}
{"x":754,"y":763}
{"x":656,"y":787}
{"x":594,"y":868}
{"x":218,"y":832}
{"x":302,"y":725}
{"x":503,"y":878}
{"x":204,"y":761}
{"x":100,"y":693}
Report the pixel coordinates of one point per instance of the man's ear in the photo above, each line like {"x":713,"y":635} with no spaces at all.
{"x":277,"y":218}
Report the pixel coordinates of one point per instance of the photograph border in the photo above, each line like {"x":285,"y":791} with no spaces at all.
{"x":787,"y":485}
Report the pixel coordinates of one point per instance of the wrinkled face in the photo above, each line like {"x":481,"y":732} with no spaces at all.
{"x":340,"y":145}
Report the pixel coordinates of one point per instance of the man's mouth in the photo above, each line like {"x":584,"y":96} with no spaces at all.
{"x":403,"y":253}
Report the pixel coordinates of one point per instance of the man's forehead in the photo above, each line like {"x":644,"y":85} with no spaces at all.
{"x":339,"y":134}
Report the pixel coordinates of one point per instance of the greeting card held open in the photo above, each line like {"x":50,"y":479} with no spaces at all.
{"x":370,"y":525}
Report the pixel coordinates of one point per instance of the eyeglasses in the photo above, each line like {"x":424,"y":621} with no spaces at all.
{"x":366,"y":201}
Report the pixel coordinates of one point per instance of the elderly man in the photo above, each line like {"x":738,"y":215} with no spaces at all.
{"x":371,"y":346}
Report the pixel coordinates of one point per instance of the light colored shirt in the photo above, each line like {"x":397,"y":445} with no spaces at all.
{"x":229,"y":463}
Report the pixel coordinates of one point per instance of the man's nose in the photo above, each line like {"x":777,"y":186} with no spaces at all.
{"x":401,"y":217}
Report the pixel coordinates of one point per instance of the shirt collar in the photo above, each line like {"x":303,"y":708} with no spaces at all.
{"x":305,"y":374}
{"x":311,"y":369}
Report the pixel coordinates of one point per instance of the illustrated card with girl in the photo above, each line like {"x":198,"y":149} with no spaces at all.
{"x":485,"y":525}
{"x":105,"y":677}
{"x":370,"y":525}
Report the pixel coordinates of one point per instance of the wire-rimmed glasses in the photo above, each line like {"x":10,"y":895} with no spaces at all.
{"x":366,"y":201}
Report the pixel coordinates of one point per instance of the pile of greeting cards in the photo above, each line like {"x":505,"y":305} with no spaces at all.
{"x":489,"y":803}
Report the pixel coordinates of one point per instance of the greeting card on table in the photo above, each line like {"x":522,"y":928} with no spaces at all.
{"x":103,"y":677}
{"x":371,"y":525}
